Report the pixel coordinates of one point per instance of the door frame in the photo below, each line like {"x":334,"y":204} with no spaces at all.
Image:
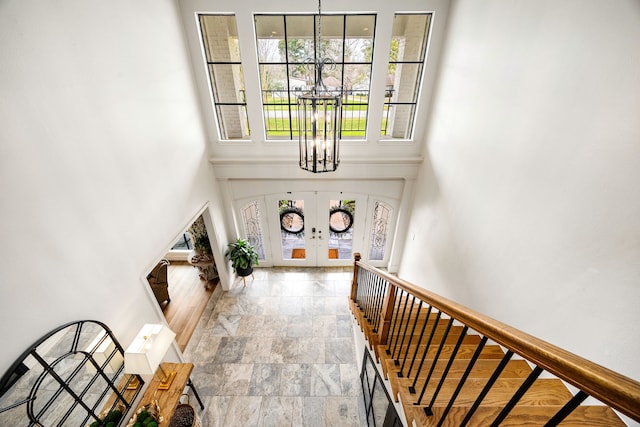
{"x":392,"y":191}
{"x":316,"y":206}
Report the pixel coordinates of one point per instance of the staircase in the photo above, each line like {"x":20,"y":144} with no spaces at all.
{"x":450,"y":366}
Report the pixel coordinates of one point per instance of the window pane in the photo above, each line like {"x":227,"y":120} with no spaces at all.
{"x":379,"y":231}
{"x":360,"y":26}
{"x":397,"y":121}
{"x":354,"y":121}
{"x":359,"y":38}
{"x":298,"y":50}
{"x":273,"y":78}
{"x":292,"y":228}
{"x":222,"y":52}
{"x":286,"y":64}
{"x":220,"y":37}
{"x":251,"y":217}
{"x":332,"y":37}
{"x":183,"y":243}
{"x":233,"y":121}
{"x":300,"y":27}
{"x":270,"y":35}
{"x":341,"y":219}
{"x":228,"y":83}
{"x":405,"y":79}
{"x":410,"y":36}
{"x":406,"y":62}
{"x":332,"y":78}
{"x":357,"y":78}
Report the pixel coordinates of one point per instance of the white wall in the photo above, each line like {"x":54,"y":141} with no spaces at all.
{"x":102,"y":162}
{"x":528,"y":207}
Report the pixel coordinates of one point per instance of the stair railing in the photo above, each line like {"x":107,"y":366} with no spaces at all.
{"x":387,"y":304}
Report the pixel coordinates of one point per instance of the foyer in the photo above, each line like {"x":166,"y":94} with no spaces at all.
{"x":279,"y":352}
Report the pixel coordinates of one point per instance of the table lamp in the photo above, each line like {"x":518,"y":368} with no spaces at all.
{"x":144,"y":354}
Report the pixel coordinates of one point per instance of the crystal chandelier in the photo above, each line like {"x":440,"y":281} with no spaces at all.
{"x":319,"y":114}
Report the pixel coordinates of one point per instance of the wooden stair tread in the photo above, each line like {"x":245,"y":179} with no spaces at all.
{"x":465,"y":351}
{"x":546,"y":391}
{"x":437,"y":336}
{"x":520,"y":416}
{"x":483,"y":368}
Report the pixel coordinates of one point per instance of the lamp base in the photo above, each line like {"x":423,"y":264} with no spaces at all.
{"x":166,"y":382}
{"x":134,"y":384}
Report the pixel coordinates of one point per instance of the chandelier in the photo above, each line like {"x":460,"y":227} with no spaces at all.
{"x":319,"y":117}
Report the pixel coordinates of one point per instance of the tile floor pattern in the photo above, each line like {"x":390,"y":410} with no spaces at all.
{"x":279,"y":352}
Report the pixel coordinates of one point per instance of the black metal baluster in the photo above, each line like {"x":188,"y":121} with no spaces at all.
{"x":396,"y":361}
{"x":412,"y":388}
{"x":567,"y":409}
{"x":374,"y":294}
{"x":415,"y":353}
{"x":413,"y":330}
{"x":445,"y":372}
{"x":465,"y":375}
{"x":494,"y":377}
{"x":383,"y":295}
{"x":378,"y":301}
{"x":360,"y":290}
{"x":435,"y":359}
{"x":394,"y":316}
{"x":404,"y":311}
{"x":367,"y":295}
{"x":372,"y":287}
{"x":533,"y":376}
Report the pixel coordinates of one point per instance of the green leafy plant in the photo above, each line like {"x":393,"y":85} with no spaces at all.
{"x":199,"y":237}
{"x":241,"y":254}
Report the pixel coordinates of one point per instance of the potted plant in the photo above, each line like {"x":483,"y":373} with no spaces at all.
{"x":243,"y":257}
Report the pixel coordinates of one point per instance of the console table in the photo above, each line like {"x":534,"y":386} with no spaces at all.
{"x":206,"y":265}
{"x":168,"y":399}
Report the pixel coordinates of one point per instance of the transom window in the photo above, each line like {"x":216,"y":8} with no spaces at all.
{"x":406,"y":63}
{"x":286,"y":48}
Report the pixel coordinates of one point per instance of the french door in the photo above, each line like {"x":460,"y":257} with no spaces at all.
{"x":315,"y":228}
{"x":318,"y":228}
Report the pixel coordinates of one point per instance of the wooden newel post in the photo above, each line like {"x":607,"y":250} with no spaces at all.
{"x":354,"y":283}
{"x":387,"y":313}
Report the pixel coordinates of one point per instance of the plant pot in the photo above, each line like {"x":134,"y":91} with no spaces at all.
{"x":243,"y":272}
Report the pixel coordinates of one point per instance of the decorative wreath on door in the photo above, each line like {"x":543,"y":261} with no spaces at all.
{"x":292,"y":220}
{"x":345,"y":217}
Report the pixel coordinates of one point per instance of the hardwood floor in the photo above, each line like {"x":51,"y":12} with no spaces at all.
{"x":188,"y":300}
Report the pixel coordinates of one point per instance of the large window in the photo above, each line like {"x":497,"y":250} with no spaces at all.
{"x":222,"y":52}
{"x":286,"y":49}
{"x":406,"y":63}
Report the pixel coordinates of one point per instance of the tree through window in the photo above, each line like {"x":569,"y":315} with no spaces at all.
{"x":286,"y":48}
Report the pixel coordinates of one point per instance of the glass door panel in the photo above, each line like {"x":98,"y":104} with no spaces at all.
{"x":292,"y":231}
{"x":341,"y":225}
{"x":316,"y":228}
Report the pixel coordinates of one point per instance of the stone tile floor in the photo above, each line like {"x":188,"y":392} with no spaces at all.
{"x":279,"y":352}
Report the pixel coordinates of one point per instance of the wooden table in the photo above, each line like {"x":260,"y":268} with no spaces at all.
{"x":168,"y":399}
{"x":206,"y":265}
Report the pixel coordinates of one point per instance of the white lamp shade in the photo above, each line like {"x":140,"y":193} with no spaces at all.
{"x":144,"y":354}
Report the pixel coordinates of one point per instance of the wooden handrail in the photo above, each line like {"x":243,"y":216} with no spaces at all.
{"x":615,"y":390}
